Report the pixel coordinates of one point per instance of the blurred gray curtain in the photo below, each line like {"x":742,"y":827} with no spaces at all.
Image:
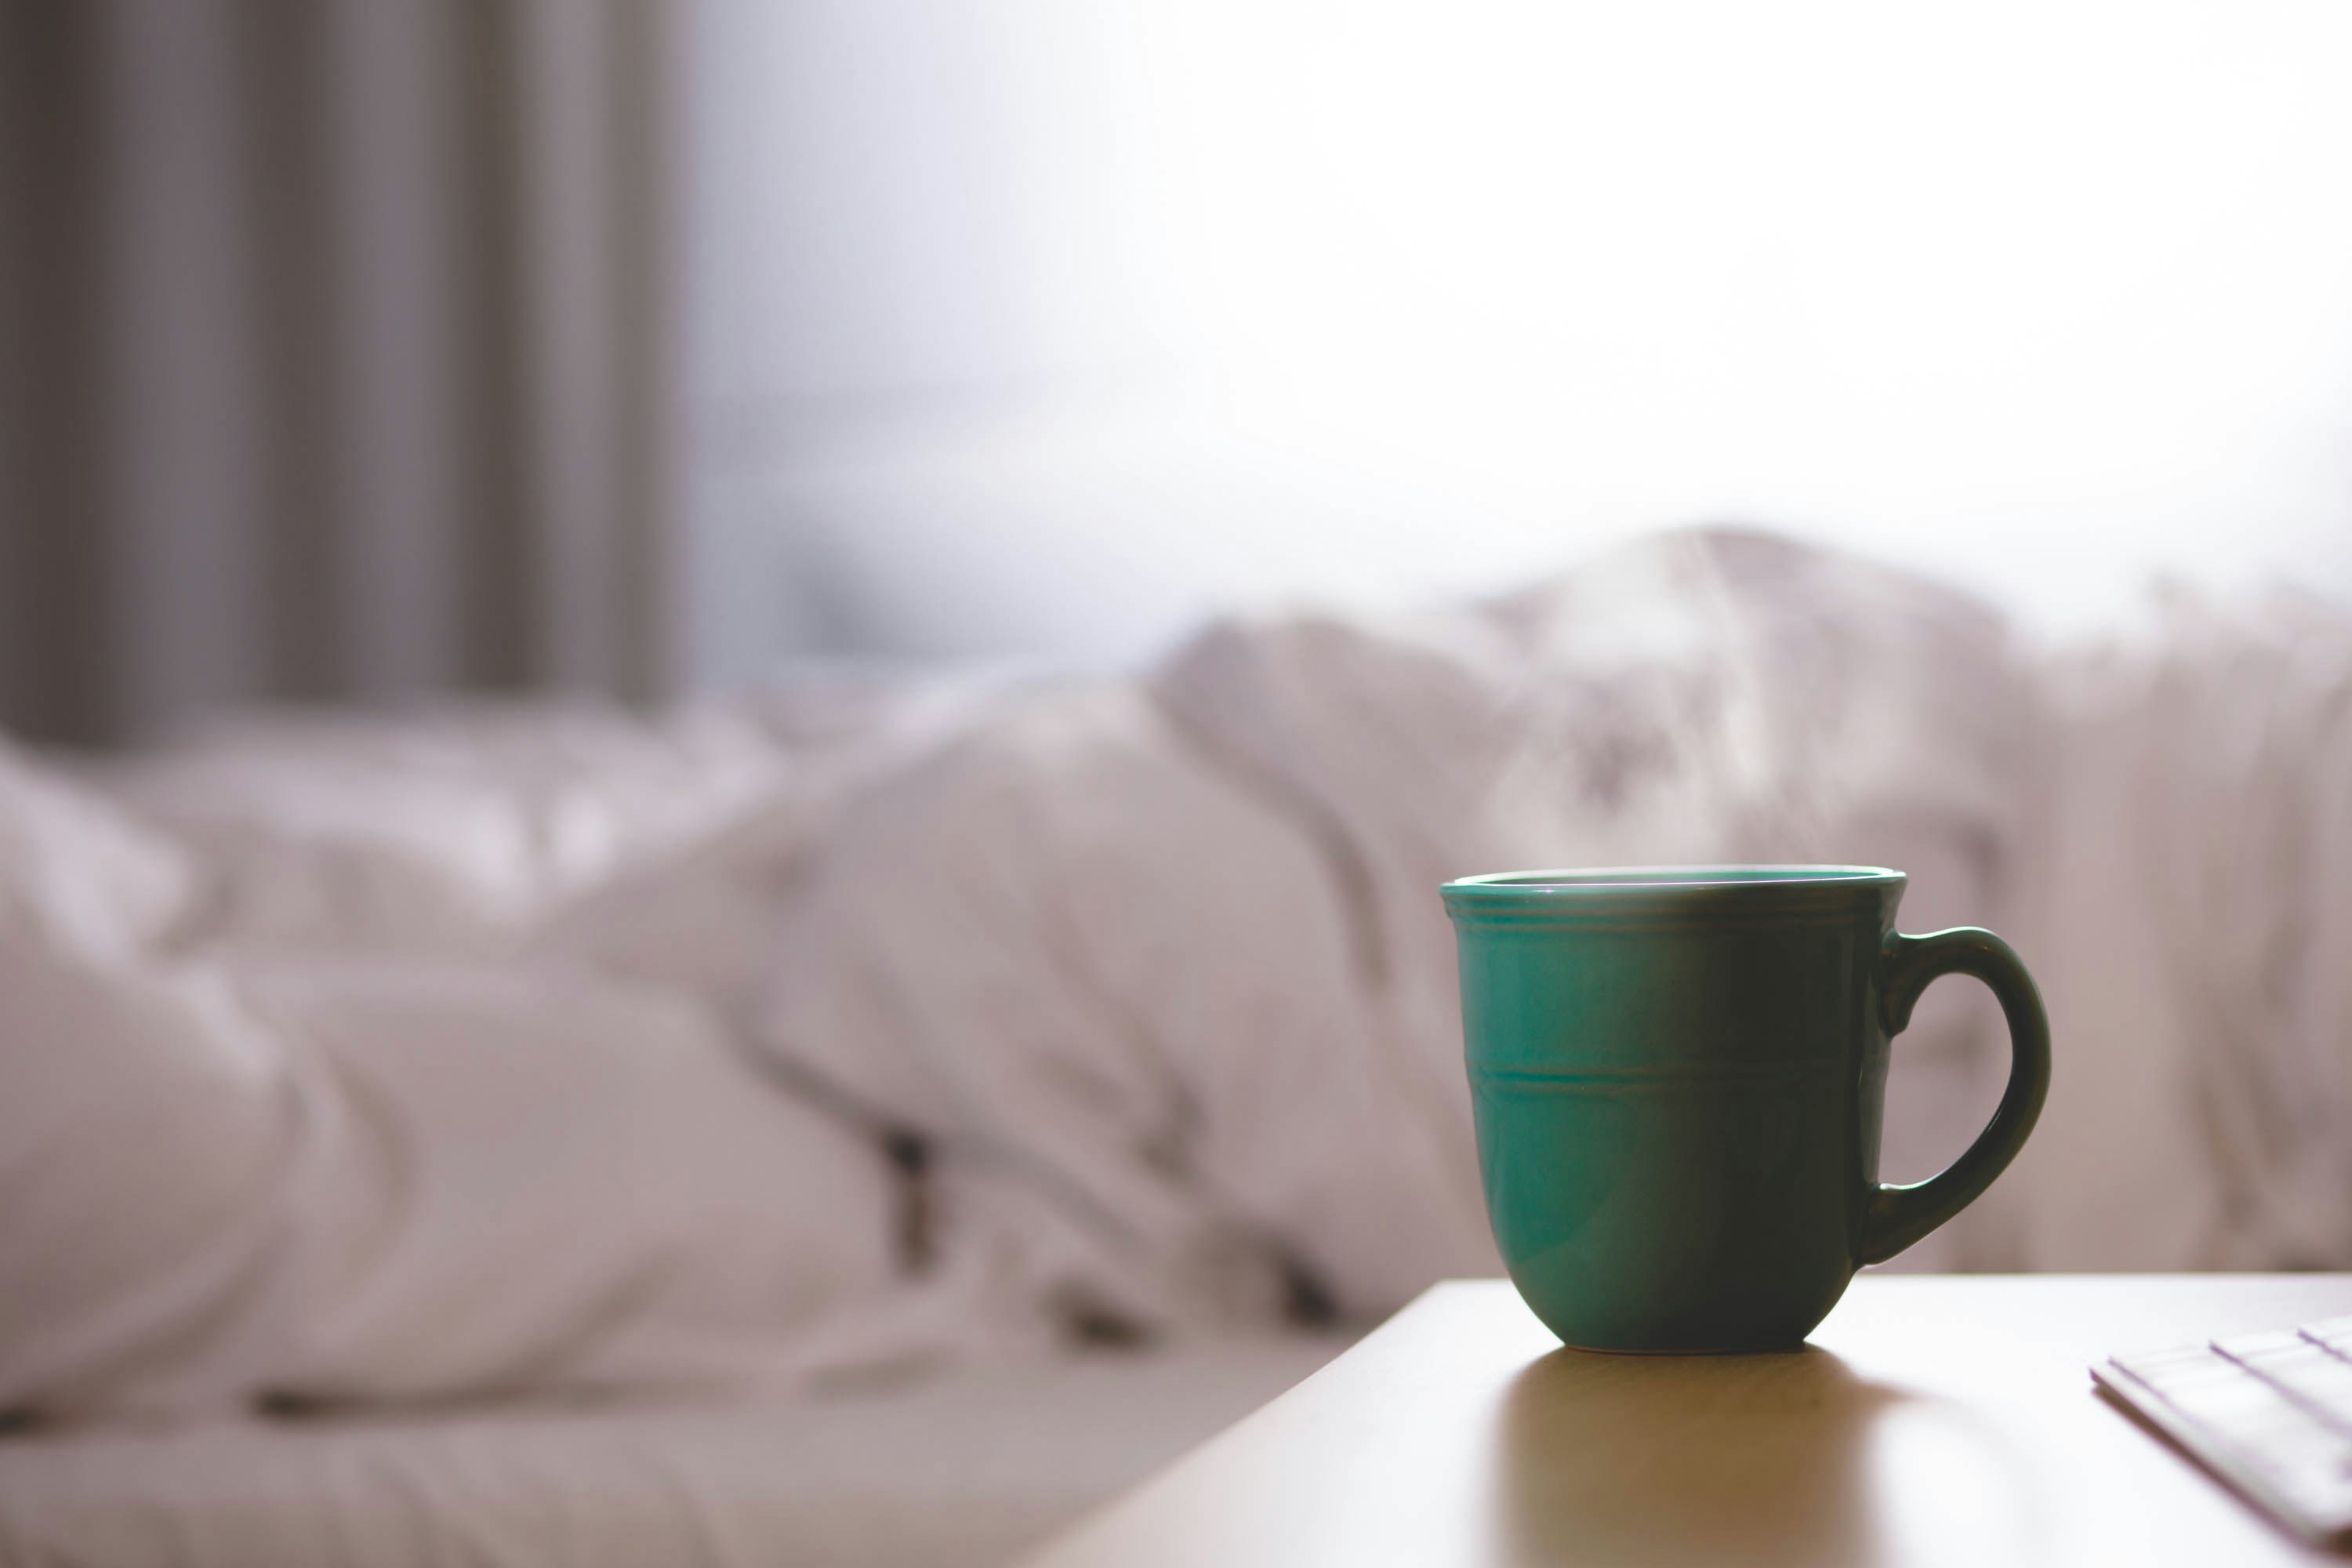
{"x":334,"y":353}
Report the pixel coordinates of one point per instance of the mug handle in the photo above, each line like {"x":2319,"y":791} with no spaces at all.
{"x":1897,"y":1217}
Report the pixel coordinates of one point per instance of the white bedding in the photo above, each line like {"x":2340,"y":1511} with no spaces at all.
{"x":969,"y":1468}
{"x":768,"y":1043}
{"x":1159,"y":966}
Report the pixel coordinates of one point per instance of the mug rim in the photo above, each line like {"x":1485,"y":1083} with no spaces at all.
{"x":1611,"y":896}
{"x":1589,"y":880}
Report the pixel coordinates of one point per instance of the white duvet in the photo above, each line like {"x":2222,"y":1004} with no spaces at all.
{"x":828,"y":1028}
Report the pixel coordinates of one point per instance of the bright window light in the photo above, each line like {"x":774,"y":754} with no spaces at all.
{"x":1379,"y":300}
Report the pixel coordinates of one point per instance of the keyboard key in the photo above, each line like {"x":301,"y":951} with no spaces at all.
{"x":2274,"y":1448}
{"x":2330,"y":1333}
{"x":2301,"y":1369}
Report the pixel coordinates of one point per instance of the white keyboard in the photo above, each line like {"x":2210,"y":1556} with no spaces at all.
{"x":2270,"y":1413}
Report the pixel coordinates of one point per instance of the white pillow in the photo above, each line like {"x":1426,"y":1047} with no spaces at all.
{"x":148,"y":1126}
{"x":403,"y":1180}
{"x":77,"y":873}
{"x":525,"y":1180}
{"x":446,"y":832}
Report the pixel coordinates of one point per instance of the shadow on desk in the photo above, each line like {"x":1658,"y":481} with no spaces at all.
{"x":1685,"y":1458}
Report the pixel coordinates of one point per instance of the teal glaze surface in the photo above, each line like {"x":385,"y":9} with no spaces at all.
{"x":1678,"y":1075}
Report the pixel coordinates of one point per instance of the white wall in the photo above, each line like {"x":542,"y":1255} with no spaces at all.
{"x":1043,"y":325}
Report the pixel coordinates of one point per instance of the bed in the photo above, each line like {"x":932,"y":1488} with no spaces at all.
{"x":969,"y":1468}
{"x":717,"y":1136}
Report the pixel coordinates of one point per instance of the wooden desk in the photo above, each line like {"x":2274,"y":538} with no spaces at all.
{"x":1935,"y":1420}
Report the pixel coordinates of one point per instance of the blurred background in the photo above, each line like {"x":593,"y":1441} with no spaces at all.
{"x":845,"y":363}
{"x":353,"y":351}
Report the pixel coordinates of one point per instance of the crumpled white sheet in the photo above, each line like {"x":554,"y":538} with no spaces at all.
{"x":484,"y":1051}
{"x":1160,"y":968}
{"x":478,"y":830}
{"x":2187,"y":902}
{"x":312,"y":1085}
{"x":403,"y":1182}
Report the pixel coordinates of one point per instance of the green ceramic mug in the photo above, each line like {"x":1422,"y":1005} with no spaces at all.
{"x":1678,"y":1075}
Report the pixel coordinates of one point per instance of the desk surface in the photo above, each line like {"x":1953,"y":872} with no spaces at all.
{"x":1933,"y":1420}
